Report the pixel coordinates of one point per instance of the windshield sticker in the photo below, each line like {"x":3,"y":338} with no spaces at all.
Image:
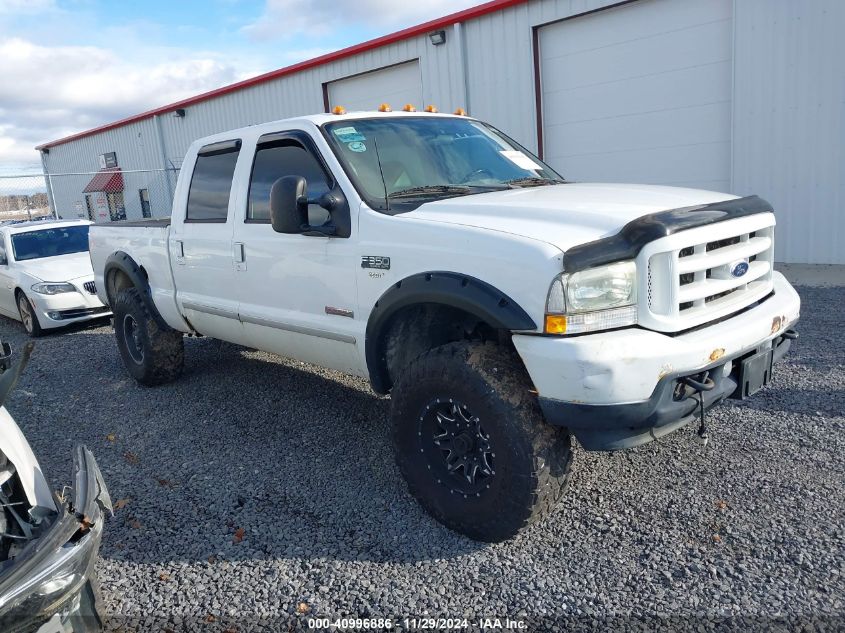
{"x":348,"y":135}
{"x":357,"y":146}
{"x":520,"y":160}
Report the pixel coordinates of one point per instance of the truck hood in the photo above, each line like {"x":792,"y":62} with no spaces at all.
{"x":563,"y":215}
{"x":59,"y":267}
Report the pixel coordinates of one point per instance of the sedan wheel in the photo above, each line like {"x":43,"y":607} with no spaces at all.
{"x":28,"y":318}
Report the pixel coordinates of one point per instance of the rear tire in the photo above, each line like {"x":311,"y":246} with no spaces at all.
{"x":472,"y":443}
{"x":29,"y":317}
{"x":153,"y":355}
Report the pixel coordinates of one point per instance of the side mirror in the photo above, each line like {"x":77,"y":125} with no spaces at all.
{"x":3,"y":261}
{"x":289,"y":205}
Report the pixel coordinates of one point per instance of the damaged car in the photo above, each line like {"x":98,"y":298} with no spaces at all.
{"x":48,"y":541}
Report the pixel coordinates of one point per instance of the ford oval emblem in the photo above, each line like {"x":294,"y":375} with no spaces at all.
{"x":738,"y":269}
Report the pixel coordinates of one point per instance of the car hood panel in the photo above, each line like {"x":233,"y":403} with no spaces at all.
{"x":563,"y":215}
{"x":14,"y":446}
{"x":58,"y":268}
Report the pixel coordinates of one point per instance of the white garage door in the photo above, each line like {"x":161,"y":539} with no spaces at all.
{"x":396,"y":85}
{"x":640,"y":93}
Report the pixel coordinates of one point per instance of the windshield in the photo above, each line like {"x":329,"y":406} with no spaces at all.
{"x":59,"y":240}
{"x":430,"y":157}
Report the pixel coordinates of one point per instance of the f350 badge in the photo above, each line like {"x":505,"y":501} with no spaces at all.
{"x":375,"y":261}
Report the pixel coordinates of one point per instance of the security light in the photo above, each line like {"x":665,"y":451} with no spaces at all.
{"x":437,"y":38}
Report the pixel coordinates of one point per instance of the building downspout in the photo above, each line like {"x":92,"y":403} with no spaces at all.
{"x":49,"y":181}
{"x":164,"y":165}
{"x":460,"y":40}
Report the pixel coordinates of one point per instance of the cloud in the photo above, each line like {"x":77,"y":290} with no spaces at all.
{"x":283,"y":19}
{"x":50,"y":91}
{"x":26,"y":7}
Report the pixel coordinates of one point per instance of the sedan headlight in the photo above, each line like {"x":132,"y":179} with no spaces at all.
{"x":47,"y":288}
{"x":595,"y":299}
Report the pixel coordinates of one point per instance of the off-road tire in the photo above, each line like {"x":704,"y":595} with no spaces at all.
{"x":530,"y":459}
{"x":29,"y":315}
{"x":152,"y":354}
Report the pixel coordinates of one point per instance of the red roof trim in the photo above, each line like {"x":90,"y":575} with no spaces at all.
{"x":433,"y":25}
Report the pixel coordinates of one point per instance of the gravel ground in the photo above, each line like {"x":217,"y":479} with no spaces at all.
{"x":257,"y":486}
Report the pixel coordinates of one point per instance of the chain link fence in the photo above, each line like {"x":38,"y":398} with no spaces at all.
{"x":108,"y":195}
{"x":23,"y":197}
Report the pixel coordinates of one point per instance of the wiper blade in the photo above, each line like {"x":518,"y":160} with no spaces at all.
{"x":429,"y":189}
{"x":533,"y":181}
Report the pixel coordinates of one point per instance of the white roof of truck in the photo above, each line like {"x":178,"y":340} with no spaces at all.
{"x":318,"y":120}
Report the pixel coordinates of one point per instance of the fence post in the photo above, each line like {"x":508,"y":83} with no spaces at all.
{"x":50,"y":197}
{"x":157,"y":121}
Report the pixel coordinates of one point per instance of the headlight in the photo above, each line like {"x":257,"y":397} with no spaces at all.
{"x":596,"y":299}
{"x":47,"y":288}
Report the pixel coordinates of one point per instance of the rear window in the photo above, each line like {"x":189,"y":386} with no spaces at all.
{"x":60,"y":240}
{"x":211,"y":183}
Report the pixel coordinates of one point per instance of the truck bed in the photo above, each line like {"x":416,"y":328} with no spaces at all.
{"x":148,"y":222}
{"x":147,"y":243}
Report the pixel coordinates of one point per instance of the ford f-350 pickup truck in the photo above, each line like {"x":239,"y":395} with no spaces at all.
{"x":502,"y":307}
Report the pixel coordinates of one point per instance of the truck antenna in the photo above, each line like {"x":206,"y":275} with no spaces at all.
{"x":381,"y":171}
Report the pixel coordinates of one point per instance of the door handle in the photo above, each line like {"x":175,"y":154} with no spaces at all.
{"x":179,"y":251}
{"x":239,"y":255}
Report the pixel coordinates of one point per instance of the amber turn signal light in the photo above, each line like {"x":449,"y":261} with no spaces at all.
{"x":555,"y":324}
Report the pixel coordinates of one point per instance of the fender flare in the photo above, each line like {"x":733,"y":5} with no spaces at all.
{"x":451,"y":289}
{"x":123,"y":262}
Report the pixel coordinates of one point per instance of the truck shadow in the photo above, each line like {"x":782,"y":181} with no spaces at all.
{"x":247,"y":456}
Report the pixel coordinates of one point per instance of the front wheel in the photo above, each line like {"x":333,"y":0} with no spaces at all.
{"x":28,"y":316}
{"x":471,"y":441}
{"x":153,"y":355}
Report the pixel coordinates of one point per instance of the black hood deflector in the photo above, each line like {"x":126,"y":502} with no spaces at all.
{"x":628,"y":243}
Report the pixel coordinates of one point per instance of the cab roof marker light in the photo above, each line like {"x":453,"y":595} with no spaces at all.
{"x":385,"y":107}
{"x":338,"y":110}
{"x":409,"y":107}
{"x":431,"y":108}
{"x":461,"y":112}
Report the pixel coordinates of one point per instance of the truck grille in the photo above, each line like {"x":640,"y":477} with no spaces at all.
{"x":701,"y":279}
{"x":90,"y":287}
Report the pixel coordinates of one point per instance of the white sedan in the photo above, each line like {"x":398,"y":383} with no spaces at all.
{"x":46,"y":279}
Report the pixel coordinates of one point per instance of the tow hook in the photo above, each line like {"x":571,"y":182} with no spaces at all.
{"x":699,"y":384}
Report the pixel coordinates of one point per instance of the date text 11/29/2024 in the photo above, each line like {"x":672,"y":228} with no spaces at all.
{"x":417,"y":623}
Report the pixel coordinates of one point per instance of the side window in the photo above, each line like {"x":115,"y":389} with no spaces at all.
{"x":211,"y":183}
{"x":284,"y":158}
{"x":3,"y":260}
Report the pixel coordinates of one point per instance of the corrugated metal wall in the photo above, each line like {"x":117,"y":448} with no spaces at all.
{"x":788,"y":120}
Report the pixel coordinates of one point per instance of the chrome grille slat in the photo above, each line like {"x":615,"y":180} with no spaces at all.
{"x":722,"y":256}
{"x":709,"y":287}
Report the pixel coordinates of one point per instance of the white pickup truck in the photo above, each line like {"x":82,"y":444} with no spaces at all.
{"x":503,"y":308}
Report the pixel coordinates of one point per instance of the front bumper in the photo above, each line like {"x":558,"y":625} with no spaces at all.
{"x":51,"y":583}
{"x":616,"y":389}
{"x":67,"y":307}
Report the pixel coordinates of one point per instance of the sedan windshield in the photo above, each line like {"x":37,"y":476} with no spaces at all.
{"x":59,"y":240}
{"x":398,"y":163}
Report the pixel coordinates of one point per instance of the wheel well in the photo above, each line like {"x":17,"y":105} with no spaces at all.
{"x":116,"y":281}
{"x":417,"y":328}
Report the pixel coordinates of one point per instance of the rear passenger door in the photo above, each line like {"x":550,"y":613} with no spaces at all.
{"x":201,"y":245}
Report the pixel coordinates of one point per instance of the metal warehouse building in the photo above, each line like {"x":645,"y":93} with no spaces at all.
{"x":743,"y":96}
